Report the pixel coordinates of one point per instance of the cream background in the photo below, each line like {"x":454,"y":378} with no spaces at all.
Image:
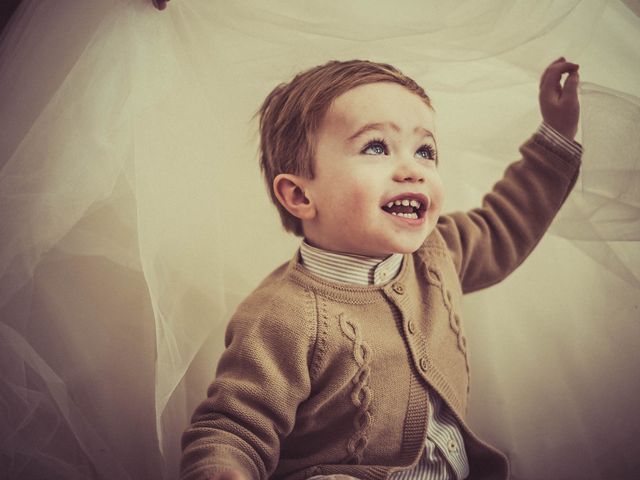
{"x":133,"y":218}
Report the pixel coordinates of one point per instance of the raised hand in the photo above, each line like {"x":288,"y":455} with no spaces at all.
{"x":559,"y":104}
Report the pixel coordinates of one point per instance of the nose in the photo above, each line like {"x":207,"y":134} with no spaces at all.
{"x":408,"y":171}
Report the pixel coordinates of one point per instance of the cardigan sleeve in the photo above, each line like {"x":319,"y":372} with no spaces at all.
{"x":489,"y":242}
{"x":251,"y":405}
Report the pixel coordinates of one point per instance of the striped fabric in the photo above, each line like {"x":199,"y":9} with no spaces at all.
{"x":348,"y":268}
{"x":444,"y":456}
{"x":559,"y":140}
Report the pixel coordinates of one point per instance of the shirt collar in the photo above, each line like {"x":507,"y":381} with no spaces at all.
{"x":349,"y":268}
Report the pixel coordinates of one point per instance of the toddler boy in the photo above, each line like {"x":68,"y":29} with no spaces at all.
{"x":351,"y":358}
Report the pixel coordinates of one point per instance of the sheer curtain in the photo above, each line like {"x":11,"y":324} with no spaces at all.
{"x":133,"y":218}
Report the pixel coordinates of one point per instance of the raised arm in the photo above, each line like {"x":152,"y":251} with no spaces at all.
{"x":488,"y":243}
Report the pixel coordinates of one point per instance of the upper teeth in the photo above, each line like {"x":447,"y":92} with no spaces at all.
{"x":405,"y":202}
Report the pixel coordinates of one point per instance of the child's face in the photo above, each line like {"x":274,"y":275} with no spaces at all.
{"x":357,"y":176}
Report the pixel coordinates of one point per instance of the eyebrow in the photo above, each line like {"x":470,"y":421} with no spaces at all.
{"x":385,"y":125}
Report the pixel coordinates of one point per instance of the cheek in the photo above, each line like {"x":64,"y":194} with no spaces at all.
{"x":347,"y":210}
{"x":437,"y":193}
{"x":362,"y":200}
{"x":350,"y":197}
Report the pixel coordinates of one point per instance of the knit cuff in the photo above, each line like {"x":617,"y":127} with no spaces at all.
{"x":559,"y":141}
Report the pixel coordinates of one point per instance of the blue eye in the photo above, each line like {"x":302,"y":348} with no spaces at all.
{"x":379,"y":147}
{"x":427,"y":152}
{"x":376,"y":147}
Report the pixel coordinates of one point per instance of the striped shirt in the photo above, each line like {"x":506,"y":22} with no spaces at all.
{"x":349,"y":268}
{"x":559,"y":140}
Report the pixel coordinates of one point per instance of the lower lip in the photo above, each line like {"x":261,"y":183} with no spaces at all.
{"x":413,"y":222}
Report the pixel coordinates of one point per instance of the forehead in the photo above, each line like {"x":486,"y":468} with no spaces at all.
{"x":377,"y":103}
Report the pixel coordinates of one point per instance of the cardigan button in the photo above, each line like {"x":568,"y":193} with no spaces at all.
{"x":398,"y":288}
{"x":424,"y":364}
{"x":412,"y":327}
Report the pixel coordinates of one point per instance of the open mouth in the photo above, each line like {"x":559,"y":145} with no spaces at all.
{"x":411,"y":206}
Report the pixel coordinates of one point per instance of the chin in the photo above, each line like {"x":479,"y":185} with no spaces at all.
{"x":406,"y":247}
{"x":408,"y":250}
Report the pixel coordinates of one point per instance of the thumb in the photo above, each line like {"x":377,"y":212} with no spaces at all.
{"x":571,"y":85}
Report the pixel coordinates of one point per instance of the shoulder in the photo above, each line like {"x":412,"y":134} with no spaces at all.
{"x":434,"y":262}
{"x":279,"y":309}
{"x":277,"y":294}
{"x":435,"y":249}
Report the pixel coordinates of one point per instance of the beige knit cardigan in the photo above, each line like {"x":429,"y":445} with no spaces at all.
{"x":318,"y":378}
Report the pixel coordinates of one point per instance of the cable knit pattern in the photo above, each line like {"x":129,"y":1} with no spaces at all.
{"x":435,"y":278}
{"x":321,"y":341}
{"x":361,"y":394}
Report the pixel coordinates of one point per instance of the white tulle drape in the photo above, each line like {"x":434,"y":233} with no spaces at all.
{"x":133,"y":218}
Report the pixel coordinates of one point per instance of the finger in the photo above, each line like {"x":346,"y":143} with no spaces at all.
{"x":160,"y":4}
{"x":571,"y":84}
{"x":544,"y":74}
{"x":554,"y":65}
{"x":551,"y":78}
{"x":556,"y":69}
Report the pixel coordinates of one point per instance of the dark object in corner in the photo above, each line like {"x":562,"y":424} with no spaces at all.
{"x":7,"y":7}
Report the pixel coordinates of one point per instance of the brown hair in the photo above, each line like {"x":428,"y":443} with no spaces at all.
{"x":292,"y":113}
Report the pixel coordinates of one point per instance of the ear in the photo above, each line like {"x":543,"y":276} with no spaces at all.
{"x":291,"y":193}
